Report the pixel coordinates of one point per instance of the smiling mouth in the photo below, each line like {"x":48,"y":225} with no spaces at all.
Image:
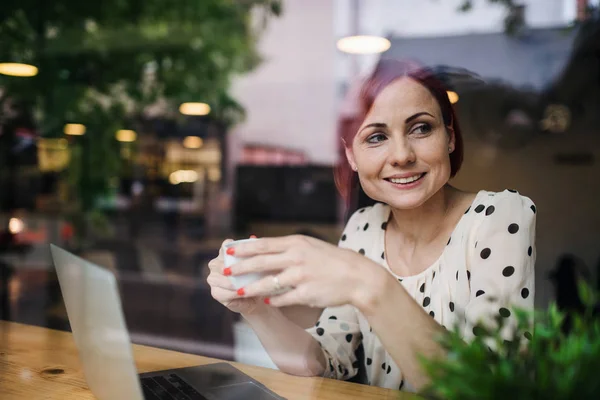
{"x":407,"y":180}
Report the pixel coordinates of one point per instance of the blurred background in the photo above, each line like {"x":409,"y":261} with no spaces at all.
{"x":140,"y":134}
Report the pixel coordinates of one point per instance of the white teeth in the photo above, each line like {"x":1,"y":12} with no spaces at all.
{"x":406,"y":180}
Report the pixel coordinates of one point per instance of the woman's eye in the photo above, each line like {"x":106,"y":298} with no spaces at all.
{"x":376,"y":138}
{"x":422,"y":129}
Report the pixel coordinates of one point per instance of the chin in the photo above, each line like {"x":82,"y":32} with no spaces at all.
{"x":409,"y":199}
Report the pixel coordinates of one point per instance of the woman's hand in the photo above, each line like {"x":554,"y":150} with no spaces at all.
{"x":223,"y":291}
{"x":318,"y":274}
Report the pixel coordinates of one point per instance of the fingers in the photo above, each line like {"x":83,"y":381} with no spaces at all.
{"x":216,"y":264}
{"x":223,"y":246}
{"x":216,"y":279}
{"x":223,"y":296}
{"x":264,"y":263}
{"x":267,"y":246}
{"x":293,"y":297}
{"x":269,"y":285}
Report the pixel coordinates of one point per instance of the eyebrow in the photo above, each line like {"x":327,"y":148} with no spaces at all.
{"x":417,"y":115}
{"x":406,"y":121}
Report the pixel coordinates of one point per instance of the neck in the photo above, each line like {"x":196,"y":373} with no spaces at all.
{"x":423,"y":224}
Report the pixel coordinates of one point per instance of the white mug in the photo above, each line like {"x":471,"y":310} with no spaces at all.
{"x":241,"y":281}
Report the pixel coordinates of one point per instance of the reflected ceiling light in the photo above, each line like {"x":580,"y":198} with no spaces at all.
{"x":126,"y":135}
{"x":74,"y":129}
{"x":192,"y":142}
{"x":194,"y":109}
{"x":15,"y":225}
{"x":183,"y":176}
{"x":18,"y":69}
{"x":452,"y":96}
{"x":363,"y":44}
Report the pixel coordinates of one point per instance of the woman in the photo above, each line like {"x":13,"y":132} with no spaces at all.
{"x":424,"y":257}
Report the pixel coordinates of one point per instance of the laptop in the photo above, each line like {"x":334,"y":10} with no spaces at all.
{"x":93,"y":306}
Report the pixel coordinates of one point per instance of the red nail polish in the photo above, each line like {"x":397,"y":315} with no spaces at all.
{"x":267,"y":300}
{"x":227,"y":271}
{"x":252,"y":236}
{"x":230,"y":251}
{"x":240,"y":291}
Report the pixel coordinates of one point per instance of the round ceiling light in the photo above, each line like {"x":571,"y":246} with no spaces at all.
{"x":452,"y":96}
{"x":18,"y":69}
{"x":194,"y":109}
{"x":363,"y":44}
{"x":192,"y":142}
{"x":74,"y":129}
{"x":126,"y":135}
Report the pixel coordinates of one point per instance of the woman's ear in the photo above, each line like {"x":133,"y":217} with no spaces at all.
{"x":451,"y":139}
{"x":350,"y":157}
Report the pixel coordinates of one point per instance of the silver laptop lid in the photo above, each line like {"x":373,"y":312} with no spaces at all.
{"x":93,"y":305}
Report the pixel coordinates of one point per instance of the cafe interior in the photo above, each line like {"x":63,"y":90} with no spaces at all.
{"x":138,"y":136}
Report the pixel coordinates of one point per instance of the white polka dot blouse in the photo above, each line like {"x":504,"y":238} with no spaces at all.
{"x":486,"y":268}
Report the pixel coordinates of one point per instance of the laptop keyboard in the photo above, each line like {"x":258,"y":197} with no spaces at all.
{"x":169,"y":387}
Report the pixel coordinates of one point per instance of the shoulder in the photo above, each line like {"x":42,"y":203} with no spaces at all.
{"x":364,"y":223}
{"x":371,"y":214}
{"x":508,"y":201}
{"x":506,"y":211}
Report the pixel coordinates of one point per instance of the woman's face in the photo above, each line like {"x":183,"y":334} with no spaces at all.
{"x":401,"y":151}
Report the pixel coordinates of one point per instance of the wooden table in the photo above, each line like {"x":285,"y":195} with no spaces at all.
{"x":40,"y":363}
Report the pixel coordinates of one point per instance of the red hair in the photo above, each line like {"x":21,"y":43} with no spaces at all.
{"x":386,"y":72}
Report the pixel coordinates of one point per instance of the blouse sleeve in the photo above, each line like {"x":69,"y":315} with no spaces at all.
{"x":501,"y":259}
{"x":338,"y":329}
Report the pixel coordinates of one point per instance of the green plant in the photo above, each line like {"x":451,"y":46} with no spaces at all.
{"x":104,"y":64}
{"x":548,"y":364}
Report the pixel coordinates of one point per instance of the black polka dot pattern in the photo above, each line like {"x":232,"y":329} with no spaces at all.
{"x":485,"y":253}
{"x":484,"y":275}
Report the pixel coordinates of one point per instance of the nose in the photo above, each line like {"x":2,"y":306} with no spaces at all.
{"x":401,"y":153}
